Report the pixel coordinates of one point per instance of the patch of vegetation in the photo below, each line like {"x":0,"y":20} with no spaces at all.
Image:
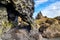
{"x":6,"y":26}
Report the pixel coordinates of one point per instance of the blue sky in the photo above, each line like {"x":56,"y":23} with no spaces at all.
{"x":49,"y":8}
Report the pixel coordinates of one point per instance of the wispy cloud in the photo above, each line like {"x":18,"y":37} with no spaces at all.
{"x":37,"y":2}
{"x":52,"y":10}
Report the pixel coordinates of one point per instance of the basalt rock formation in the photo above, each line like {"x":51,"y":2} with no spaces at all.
{"x":39,"y":15}
{"x":49,"y":27}
{"x":18,"y":15}
{"x":17,"y":23}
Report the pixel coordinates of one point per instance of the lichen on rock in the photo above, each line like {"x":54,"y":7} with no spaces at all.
{"x":17,"y":23}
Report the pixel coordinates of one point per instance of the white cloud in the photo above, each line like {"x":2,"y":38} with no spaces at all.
{"x":37,"y":2}
{"x":52,"y":10}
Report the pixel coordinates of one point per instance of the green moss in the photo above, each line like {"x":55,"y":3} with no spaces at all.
{"x":6,"y":24}
{"x":1,"y":31}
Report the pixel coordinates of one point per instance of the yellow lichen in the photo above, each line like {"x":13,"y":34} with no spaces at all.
{"x":6,"y":26}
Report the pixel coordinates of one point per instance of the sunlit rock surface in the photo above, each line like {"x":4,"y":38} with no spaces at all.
{"x":3,"y":18}
{"x":49,"y":27}
{"x":16,"y":22}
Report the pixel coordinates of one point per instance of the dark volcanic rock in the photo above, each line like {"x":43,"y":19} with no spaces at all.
{"x":23,"y":27}
{"x":25,"y":9}
{"x":39,"y":15}
{"x":58,"y":17}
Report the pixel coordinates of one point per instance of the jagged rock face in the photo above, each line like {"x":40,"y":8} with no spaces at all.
{"x":12,"y":13}
{"x":39,"y":16}
{"x":22,"y":6}
{"x":15,"y":8}
{"x":25,"y":7}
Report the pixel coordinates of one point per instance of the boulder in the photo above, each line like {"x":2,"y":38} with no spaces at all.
{"x":58,"y":17}
{"x":52,"y":31}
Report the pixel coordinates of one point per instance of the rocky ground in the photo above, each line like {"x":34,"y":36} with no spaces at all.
{"x":17,"y":23}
